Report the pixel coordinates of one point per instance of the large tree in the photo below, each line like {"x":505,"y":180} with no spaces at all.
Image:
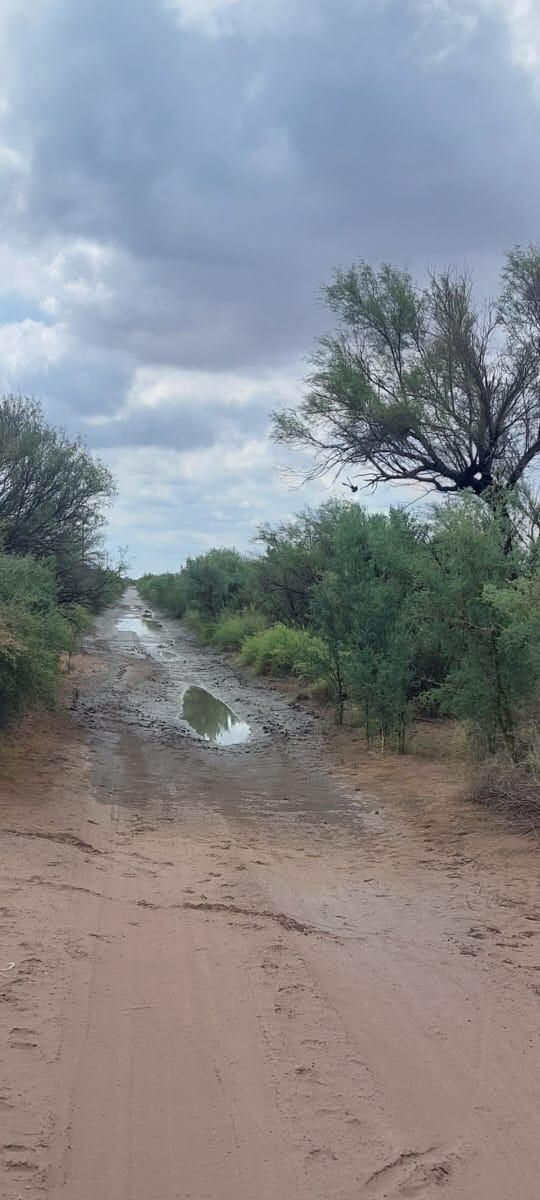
{"x":52,"y":495}
{"x":422,"y":383}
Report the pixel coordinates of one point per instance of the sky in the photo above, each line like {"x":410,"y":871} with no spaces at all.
{"x":177,"y":180}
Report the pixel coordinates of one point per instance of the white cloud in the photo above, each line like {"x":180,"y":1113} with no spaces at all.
{"x":205,"y":16}
{"x":215,"y":18}
{"x":77,"y":276}
{"x":448,"y":22}
{"x":523,"y":20}
{"x":152,"y":386}
{"x":234,"y":462}
{"x":29,"y":346}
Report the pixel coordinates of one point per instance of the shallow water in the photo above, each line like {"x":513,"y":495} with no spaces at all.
{"x":142,"y":626}
{"x":213,"y":719}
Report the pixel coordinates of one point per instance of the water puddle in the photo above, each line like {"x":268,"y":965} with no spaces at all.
{"x":214,"y":720}
{"x":139,"y":625}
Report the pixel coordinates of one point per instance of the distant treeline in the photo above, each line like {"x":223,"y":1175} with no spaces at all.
{"x":385,"y":614}
{"x":53,"y":571}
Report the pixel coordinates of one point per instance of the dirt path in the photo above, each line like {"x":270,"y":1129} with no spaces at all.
{"x":238,"y":976}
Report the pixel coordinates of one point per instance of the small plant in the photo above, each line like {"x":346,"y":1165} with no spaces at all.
{"x":232,"y":629}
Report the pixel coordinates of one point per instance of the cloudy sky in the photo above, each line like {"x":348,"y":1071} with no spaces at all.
{"x":178,"y":177}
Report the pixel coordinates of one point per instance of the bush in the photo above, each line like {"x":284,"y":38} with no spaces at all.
{"x":218,"y":580}
{"x":33,"y":633}
{"x":232,"y":629}
{"x":282,"y":650}
{"x":167,"y":592}
{"x":200,"y":626}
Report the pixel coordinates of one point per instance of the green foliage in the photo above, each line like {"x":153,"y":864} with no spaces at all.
{"x":466,"y":611}
{"x":232,"y":629}
{"x":281,"y":650}
{"x":295,"y":558}
{"x":362,"y":608}
{"x":199,"y":625}
{"x":33,"y":633}
{"x":53,"y":494}
{"x":419,"y":382}
{"x":218,"y":580}
{"x":386,"y":613}
{"x":52,"y":568}
{"x":167,"y":592}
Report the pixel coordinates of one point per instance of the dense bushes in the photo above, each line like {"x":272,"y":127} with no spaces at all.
{"x":232,"y":629}
{"x":167,"y":592}
{"x":53,"y":571}
{"x":210,"y":584}
{"x":281,"y":649}
{"x":389,"y":615}
{"x":52,"y":499}
{"x":33,"y":632}
{"x":217,"y":581}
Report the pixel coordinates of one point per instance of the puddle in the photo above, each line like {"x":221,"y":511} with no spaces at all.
{"x":139,"y":625}
{"x":212,"y":719}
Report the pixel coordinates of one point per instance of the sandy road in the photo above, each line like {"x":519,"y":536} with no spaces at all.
{"x":239,"y":976}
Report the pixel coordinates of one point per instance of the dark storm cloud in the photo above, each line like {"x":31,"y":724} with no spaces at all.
{"x":177,"y":195}
{"x":230,"y":173}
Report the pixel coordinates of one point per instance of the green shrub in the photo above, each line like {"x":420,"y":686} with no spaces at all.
{"x":202,"y":628}
{"x":232,"y":629}
{"x":281,"y":650}
{"x":167,"y":592}
{"x":33,"y":633}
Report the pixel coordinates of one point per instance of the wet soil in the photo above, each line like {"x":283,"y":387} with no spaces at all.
{"x":278,"y":969}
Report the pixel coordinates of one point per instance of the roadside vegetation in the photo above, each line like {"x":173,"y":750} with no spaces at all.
{"x":53,"y":571}
{"x":395,"y":615}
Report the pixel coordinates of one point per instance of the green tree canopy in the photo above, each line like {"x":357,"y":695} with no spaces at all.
{"x":424,"y":384}
{"x":52,"y":495}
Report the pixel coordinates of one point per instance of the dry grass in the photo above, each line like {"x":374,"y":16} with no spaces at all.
{"x":506,"y":787}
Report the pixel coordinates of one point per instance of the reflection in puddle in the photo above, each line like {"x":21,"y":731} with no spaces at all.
{"x":212,"y":719}
{"x":138,"y":625}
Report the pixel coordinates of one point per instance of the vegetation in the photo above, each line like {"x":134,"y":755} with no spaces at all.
{"x":52,"y":497}
{"x":389,"y":615}
{"x":421,"y":383}
{"x":234,"y":628}
{"x":53,"y":572}
{"x":399,"y":618}
{"x":166,"y":591}
{"x":282,"y":650}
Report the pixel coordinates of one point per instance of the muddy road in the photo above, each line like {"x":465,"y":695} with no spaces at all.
{"x":257,"y":970}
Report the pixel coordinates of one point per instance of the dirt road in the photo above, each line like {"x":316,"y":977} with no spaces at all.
{"x":239,"y":974}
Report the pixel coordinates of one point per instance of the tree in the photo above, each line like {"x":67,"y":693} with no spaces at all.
{"x":216,"y":580}
{"x":470,"y":615}
{"x":52,"y":494}
{"x":295,"y":555}
{"x":361,"y":608}
{"x":422,"y":384}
